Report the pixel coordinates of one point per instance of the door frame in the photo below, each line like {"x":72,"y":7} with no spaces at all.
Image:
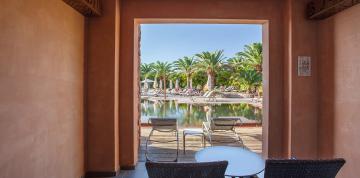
{"x":265,"y":65}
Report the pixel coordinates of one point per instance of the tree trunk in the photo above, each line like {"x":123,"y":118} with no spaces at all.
{"x":210,"y":81}
{"x":187,"y":81}
{"x":190,"y":83}
{"x":164,"y":87}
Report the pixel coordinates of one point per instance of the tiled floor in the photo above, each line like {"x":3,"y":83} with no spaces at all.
{"x":251,"y":138}
{"x":139,"y":172}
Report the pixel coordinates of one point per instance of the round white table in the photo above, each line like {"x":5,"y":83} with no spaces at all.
{"x":242,"y":162}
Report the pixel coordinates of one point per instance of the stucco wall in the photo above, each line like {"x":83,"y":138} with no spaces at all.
{"x":339,"y":44}
{"x":303,"y":91}
{"x":102,"y":42}
{"x":41,"y":89}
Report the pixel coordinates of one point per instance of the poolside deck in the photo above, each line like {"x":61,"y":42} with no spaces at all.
{"x":251,"y":138}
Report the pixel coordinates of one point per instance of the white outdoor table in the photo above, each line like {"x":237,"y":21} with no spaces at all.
{"x":242,"y":162}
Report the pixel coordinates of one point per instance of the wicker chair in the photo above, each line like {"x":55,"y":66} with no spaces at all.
{"x":303,"y":168}
{"x":186,"y":170}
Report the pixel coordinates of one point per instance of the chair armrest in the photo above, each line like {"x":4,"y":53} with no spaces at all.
{"x":239,"y":121}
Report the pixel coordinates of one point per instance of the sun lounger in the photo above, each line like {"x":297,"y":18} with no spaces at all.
{"x":165,"y":125}
{"x":207,"y":96}
{"x":224,"y":125}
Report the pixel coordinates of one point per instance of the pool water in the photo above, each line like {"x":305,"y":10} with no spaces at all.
{"x":192,"y":115}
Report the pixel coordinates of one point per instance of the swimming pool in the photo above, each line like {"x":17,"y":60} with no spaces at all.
{"x":192,"y":115}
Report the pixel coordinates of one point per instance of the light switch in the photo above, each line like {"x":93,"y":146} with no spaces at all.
{"x":304,"y":66}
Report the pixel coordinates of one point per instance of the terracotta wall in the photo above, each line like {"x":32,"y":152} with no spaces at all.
{"x":214,"y":9}
{"x":339,"y":54}
{"x":287,"y":25}
{"x":102,"y":40}
{"x":302,"y":92}
{"x":41,"y":89}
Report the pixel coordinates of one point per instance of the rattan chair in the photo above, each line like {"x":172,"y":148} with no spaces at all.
{"x":186,"y":170}
{"x":303,"y":168}
{"x":168,"y":125}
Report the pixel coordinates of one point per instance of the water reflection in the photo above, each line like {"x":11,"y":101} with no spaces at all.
{"x":190,"y":115}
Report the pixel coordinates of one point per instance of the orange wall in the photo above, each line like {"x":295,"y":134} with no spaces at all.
{"x":103,"y":90}
{"x":339,"y":44}
{"x":41,"y":90}
{"x":42,"y":74}
{"x":302,"y":97}
{"x":215,"y":9}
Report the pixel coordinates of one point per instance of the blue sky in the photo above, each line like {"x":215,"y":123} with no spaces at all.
{"x":169,"y":42}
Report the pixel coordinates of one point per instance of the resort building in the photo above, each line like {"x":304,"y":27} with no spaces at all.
{"x":70,"y":103}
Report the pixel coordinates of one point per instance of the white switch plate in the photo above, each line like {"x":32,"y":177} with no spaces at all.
{"x":304,"y":66}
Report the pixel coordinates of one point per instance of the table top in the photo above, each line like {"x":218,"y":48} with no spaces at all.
{"x":242,"y":162}
{"x":191,"y":131}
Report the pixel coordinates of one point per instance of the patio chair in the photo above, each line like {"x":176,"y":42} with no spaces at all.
{"x":303,"y":168}
{"x":208,"y":96}
{"x":167,"y":125}
{"x":224,"y":125}
{"x":192,"y":92}
{"x":183,"y":92}
{"x":174,"y":92}
{"x":186,"y":170}
{"x":230,"y":89}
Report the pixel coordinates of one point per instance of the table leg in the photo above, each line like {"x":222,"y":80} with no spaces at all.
{"x":204,"y":138}
{"x":184,"y":143}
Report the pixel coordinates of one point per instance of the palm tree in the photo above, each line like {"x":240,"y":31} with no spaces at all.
{"x":251,"y":80}
{"x":252,"y":56}
{"x":235,"y":63}
{"x":146,"y":70}
{"x":163,"y":70}
{"x":187,"y":66}
{"x":210,"y":62}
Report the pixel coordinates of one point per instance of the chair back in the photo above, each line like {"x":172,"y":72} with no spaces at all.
{"x":186,"y":170}
{"x":223,"y":123}
{"x":164,"y":124}
{"x":206,"y":93}
{"x":303,"y":168}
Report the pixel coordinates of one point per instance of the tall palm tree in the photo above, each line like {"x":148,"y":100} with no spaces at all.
{"x":146,"y":69}
{"x":187,"y":66}
{"x":252,"y":56}
{"x":163,"y":70}
{"x":211,"y":62}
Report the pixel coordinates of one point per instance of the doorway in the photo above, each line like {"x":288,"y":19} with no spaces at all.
{"x":139,"y":105}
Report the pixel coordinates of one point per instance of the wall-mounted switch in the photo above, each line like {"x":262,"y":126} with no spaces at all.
{"x":304,"y":66}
